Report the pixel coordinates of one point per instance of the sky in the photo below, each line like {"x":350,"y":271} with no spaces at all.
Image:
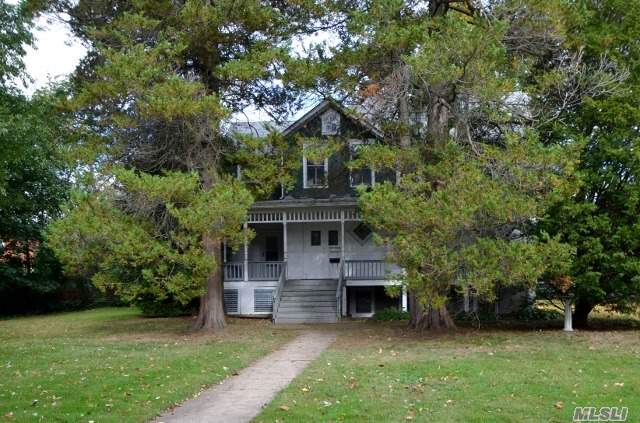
{"x":57,"y":53}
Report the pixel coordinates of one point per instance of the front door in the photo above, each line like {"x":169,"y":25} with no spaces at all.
{"x":271,"y":250}
{"x":317,"y":252}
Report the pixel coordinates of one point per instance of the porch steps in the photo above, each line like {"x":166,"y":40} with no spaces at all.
{"x":307,"y":301}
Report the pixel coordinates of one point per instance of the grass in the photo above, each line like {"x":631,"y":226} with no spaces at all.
{"x":379,"y":372}
{"x":111,"y":365}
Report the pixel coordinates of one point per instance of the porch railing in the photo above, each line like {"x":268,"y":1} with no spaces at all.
{"x":233,"y":272}
{"x":257,"y":271}
{"x":339,"y":291}
{"x":265,"y":270}
{"x":364,"y":269}
{"x":277,"y":293}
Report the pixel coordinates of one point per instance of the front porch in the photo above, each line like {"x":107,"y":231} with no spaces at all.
{"x":354,"y":270}
{"x":321,"y":248}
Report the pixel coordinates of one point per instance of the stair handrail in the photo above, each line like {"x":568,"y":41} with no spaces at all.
{"x":339,"y":289}
{"x":277,"y":294}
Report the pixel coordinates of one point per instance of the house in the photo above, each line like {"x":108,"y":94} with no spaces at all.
{"x":313,"y":259}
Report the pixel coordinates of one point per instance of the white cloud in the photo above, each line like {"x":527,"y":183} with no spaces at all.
{"x":56,"y":53}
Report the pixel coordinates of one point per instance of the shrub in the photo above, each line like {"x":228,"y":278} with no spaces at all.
{"x":391,"y":314}
{"x":534,"y":313}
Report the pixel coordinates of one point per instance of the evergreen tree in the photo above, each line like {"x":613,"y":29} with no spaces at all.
{"x":463,"y":89}
{"x":161,"y":78}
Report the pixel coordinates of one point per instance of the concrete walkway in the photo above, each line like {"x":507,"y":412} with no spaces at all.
{"x":242,"y":397}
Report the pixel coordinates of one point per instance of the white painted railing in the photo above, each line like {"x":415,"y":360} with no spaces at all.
{"x":364,"y":269}
{"x":258,"y":271}
{"x":233,"y":271}
{"x":264,"y":216}
{"x":277,"y":293}
{"x":327,"y":214}
{"x":265,"y":270}
{"x":339,"y":290}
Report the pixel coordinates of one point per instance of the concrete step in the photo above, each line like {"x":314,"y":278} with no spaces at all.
{"x":309,"y":288}
{"x":311,"y":280}
{"x":297,"y":320}
{"x":323,"y":284}
{"x":312,"y":307}
{"x":309,"y":291}
{"x":307,"y":300}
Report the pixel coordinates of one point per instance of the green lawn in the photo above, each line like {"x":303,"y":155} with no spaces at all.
{"x":111,"y":365}
{"x":383,"y":373}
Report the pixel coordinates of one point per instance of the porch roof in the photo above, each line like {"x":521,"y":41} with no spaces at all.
{"x":288,"y":203}
{"x":305,"y":210}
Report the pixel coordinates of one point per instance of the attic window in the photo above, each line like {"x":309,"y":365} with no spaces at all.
{"x":362,"y":231}
{"x":330,"y":122}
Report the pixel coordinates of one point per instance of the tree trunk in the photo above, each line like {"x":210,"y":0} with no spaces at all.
{"x":211,"y":311}
{"x":568,"y":325}
{"x":581,"y":313}
{"x":430,"y":318}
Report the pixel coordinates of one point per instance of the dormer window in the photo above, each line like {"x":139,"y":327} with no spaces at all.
{"x":315,"y":173}
{"x":330,"y":122}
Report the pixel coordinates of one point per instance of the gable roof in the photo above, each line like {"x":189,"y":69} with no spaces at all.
{"x":324,"y":106}
{"x":255,"y":128}
{"x":262,"y":128}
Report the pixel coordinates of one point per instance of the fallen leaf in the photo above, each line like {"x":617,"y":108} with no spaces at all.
{"x":559,"y":405}
{"x":284,"y":407}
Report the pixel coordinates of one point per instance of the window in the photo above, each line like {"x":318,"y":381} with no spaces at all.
{"x":316,"y":238}
{"x":333,"y":238}
{"x":315,"y":173}
{"x":362,"y":176}
{"x":362,"y":232}
{"x":330,"y":122}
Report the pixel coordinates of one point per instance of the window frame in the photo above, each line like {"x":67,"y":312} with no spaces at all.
{"x":305,"y":182}
{"x":337,"y":233}
{"x":355,"y":235}
{"x":311,"y":238}
{"x":354,"y":144}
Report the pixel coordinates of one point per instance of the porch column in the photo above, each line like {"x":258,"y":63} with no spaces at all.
{"x":342,"y":238}
{"x":245,"y":227}
{"x":344,"y":300}
{"x":474,"y":303}
{"x":344,"y":288}
{"x":466,"y":299}
{"x":224,"y":251}
{"x":285,"y":254}
{"x":404,"y":298}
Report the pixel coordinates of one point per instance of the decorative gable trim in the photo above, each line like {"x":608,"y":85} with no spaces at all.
{"x":324,"y":106}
